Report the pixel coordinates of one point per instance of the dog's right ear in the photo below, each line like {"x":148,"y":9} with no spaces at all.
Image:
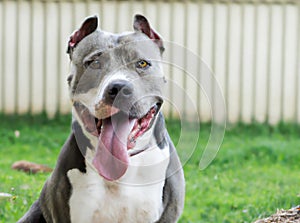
{"x":88,"y":26}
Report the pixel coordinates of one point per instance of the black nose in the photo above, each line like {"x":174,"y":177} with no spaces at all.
{"x":121,"y":89}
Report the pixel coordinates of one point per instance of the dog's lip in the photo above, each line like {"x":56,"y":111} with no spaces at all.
{"x":103,"y":110}
{"x":155,"y":106}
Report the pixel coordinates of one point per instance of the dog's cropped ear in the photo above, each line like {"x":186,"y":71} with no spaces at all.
{"x":88,"y":26}
{"x":141,"y":24}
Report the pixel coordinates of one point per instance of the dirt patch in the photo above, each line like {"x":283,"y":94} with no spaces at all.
{"x":283,"y":216}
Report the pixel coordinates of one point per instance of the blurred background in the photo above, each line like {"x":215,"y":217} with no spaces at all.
{"x":251,"y":47}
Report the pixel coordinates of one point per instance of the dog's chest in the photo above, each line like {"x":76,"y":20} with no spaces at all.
{"x":94,"y":200}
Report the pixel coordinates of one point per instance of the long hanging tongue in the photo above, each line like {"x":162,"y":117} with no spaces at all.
{"x":111,"y":159}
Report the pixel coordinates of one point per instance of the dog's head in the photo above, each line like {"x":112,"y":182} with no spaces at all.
{"x":115,"y":87}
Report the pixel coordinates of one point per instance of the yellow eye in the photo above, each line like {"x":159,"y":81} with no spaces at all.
{"x":143,"y":64}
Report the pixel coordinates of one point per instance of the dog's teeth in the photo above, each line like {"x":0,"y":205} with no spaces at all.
{"x":132,"y":139}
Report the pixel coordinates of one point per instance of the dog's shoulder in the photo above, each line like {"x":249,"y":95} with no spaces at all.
{"x":34,"y":215}
{"x":57,"y":189}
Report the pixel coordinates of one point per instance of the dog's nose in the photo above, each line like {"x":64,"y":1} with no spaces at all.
{"x":120,"y":89}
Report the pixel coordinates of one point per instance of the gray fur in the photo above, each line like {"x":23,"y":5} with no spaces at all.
{"x":174,"y":190}
{"x":115,"y":53}
{"x":118,"y":53}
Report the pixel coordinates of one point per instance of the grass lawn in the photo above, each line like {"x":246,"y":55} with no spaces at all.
{"x":256,"y":171}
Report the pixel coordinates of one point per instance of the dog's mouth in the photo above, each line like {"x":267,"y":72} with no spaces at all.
{"x":117,"y":135}
{"x":139,"y":125}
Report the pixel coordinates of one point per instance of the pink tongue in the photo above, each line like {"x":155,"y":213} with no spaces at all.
{"x":111,"y":159}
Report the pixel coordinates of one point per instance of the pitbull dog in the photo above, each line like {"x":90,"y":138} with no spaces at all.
{"x":119,"y":163}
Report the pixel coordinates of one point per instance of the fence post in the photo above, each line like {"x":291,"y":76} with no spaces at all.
{"x":3,"y":62}
{"x":297,"y":65}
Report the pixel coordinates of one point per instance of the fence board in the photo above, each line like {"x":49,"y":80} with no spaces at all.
{"x":251,"y":46}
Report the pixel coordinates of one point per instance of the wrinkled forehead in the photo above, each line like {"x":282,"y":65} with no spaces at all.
{"x":125,"y":44}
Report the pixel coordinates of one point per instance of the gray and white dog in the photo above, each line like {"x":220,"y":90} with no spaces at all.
{"x":119,"y":163}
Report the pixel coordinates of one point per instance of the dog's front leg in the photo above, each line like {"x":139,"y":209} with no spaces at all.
{"x":174,"y":190}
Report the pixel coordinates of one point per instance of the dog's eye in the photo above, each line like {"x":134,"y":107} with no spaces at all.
{"x":94,"y":64}
{"x":143,"y":64}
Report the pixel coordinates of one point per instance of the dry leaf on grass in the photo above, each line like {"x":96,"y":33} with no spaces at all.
{"x":30,"y":167}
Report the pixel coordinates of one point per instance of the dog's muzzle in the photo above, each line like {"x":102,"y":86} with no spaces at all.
{"x":116,"y":128}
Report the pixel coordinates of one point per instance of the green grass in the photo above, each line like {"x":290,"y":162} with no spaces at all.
{"x":255,"y":172}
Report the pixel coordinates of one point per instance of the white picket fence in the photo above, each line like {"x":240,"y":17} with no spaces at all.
{"x":252,"y":47}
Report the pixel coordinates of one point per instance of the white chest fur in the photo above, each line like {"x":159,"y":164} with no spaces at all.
{"x":136,"y":197}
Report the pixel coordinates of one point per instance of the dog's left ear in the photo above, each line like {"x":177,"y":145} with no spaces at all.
{"x":87,"y":27}
{"x":141,"y":24}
